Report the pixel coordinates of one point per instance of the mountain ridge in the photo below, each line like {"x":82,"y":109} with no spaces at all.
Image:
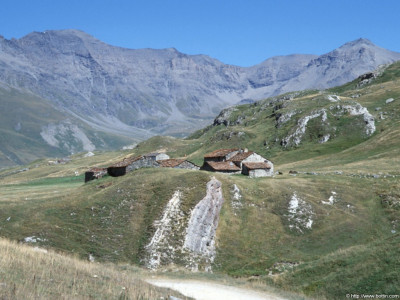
{"x":139,"y":93}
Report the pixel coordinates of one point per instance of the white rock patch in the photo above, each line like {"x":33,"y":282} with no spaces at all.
{"x":357,"y":110}
{"x":325,"y":138}
{"x":203,"y":223}
{"x":89,"y":154}
{"x":33,"y":239}
{"x":236,"y":202}
{"x":160,"y":246}
{"x":295,"y":138}
{"x":332,"y":199}
{"x":390,"y":100}
{"x":333,"y":98}
{"x":300,"y":214}
{"x":286,"y":117}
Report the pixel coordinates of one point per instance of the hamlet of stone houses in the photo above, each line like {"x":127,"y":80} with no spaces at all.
{"x":230,"y":161}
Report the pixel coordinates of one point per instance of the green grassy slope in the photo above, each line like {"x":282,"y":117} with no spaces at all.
{"x":255,"y":126}
{"x":346,"y":188}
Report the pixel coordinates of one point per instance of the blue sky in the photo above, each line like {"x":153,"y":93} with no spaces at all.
{"x":236,"y":32}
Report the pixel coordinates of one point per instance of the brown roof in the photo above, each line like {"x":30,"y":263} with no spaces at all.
{"x":223,"y":166}
{"x":257,"y":165}
{"x":95,"y":169}
{"x":170,"y":163}
{"x":241,"y":156}
{"x":220,"y":153}
{"x":127,"y":161}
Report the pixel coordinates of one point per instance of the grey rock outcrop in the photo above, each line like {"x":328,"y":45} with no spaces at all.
{"x":203,"y":222}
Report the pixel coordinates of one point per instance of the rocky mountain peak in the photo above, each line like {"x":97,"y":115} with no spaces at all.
{"x":163,"y":91}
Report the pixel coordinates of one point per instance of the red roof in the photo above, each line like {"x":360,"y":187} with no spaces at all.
{"x":223,"y":166}
{"x":220,"y":153}
{"x":257,"y":165}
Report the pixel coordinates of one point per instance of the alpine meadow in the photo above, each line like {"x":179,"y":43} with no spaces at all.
{"x":324,"y":225}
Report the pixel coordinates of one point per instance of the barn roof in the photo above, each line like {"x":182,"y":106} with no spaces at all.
{"x":96,"y":169}
{"x":126,"y":161}
{"x":241,"y":156}
{"x":170,"y":163}
{"x":220,"y":152}
{"x":257,"y":165}
{"x":223,"y":166}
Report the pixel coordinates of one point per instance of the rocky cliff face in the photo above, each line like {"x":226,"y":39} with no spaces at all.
{"x":139,"y":93}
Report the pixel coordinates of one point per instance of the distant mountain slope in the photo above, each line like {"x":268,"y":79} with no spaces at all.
{"x":30,"y":128}
{"x":144,"y":92}
{"x":330,"y":214}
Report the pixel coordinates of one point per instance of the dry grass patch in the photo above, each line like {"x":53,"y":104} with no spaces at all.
{"x":34,"y":273}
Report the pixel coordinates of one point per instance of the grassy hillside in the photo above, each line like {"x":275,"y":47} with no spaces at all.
{"x":329,"y":230}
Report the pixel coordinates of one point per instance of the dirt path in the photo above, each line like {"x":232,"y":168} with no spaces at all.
{"x":202,"y":290}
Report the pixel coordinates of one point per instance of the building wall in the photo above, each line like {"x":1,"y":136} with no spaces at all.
{"x":116,"y":171}
{"x":187,"y":165}
{"x":206,"y":167}
{"x":260,"y":173}
{"x":142,"y":163}
{"x":213,"y":158}
{"x":258,"y":158}
{"x":89,"y":175}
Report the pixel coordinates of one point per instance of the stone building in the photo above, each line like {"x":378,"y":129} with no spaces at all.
{"x":130,"y":164}
{"x":95,"y":173}
{"x":252,"y":157}
{"x":233,"y":161}
{"x":257,"y":169}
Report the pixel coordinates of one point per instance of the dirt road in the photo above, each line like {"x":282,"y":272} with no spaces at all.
{"x":202,"y":290}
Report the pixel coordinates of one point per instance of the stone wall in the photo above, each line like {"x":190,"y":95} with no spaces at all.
{"x":260,"y":173}
{"x":142,"y":163}
{"x":188,"y":165}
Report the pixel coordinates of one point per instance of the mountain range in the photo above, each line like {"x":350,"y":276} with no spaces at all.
{"x":65,"y":91}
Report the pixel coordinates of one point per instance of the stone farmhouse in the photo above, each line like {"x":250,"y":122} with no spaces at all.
{"x":132,"y":163}
{"x":150,"y":160}
{"x":236,"y":161}
{"x":231,"y":161}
